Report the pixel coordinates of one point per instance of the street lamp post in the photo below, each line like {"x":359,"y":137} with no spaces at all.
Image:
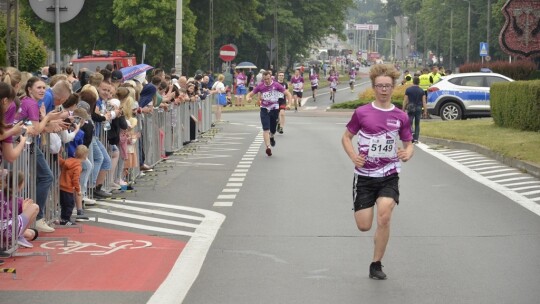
{"x":451,"y":35}
{"x":468,"y":29}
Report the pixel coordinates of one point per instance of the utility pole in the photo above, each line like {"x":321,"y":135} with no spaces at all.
{"x":178,"y":38}
{"x":488,"y":22}
{"x":276,"y":68}
{"x":451,"y":35}
{"x":211,"y":52}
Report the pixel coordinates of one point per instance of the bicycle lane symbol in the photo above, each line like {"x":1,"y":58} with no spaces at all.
{"x":94,"y":248}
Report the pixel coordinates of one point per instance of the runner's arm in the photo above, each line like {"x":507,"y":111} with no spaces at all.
{"x":346,"y":141}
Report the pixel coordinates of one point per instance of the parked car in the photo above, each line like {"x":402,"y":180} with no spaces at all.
{"x":459,"y":96}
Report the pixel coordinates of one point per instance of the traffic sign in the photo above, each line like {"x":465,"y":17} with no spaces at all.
{"x":227,"y":52}
{"x":484,"y":49}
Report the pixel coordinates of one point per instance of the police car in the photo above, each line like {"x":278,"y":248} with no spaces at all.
{"x":459,"y":96}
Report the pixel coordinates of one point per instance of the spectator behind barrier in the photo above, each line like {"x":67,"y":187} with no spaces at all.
{"x":8,"y":129}
{"x":69,"y":183}
{"x":26,"y":213}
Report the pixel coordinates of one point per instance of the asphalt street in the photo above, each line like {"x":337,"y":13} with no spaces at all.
{"x":221,"y":222}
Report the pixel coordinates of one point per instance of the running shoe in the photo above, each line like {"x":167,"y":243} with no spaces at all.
{"x":272,"y":142}
{"x":375,"y":271}
{"x":268,"y":151}
{"x":24,"y":242}
{"x":280,"y":130}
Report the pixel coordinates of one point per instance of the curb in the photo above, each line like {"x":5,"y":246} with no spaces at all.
{"x":526,"y":167}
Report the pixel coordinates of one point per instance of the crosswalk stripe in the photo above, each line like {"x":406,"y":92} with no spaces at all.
{"x":143,"y":227}
{"x":143,"y":218}
{"x":151,"y":211}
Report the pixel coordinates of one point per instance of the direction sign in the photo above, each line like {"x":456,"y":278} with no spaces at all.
{"x":484,"y":49}
{"x":227,"y":52}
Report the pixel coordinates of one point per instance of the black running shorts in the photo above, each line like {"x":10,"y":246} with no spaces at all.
{"x":366,"y":190}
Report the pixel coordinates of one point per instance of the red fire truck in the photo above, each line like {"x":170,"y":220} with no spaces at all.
{"x":119,"y":59}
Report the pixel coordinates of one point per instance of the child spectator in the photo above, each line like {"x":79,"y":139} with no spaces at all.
{"x":69,"y":183}
{"x":27,"y":212}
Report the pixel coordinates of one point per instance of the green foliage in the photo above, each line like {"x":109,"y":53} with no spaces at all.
{"x":32,"y":52}
{"x":516,"y":105}
{"x":517,"y":70}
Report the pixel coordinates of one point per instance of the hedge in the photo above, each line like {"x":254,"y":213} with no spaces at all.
{"x":517,"y":70}
{"x":516,"y":104}
{"x":368,"y":95}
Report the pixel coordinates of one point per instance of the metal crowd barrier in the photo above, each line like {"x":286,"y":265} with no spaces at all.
{"x":162,"y":132}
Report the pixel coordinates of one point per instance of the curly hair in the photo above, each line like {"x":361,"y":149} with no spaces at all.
{"x":383,"y":70}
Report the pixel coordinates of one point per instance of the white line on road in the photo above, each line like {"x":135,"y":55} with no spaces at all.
{"x":188,"y":265}
{"x":514,"y":196}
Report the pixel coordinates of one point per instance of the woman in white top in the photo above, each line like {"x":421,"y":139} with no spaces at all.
{"x":218,"y":88}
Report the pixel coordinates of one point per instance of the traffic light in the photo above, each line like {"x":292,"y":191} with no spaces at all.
{"x":351,"y":36}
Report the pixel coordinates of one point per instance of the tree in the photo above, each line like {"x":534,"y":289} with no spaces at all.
{"x":32,"y":52}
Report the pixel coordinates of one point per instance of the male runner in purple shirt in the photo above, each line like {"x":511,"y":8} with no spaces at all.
{"x":378,"y":126}
{"x":271,"y":92}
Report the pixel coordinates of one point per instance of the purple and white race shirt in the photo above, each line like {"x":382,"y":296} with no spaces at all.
{"x":333,"y":81}
{"x":378,"y":131}
{"x":241,"y":80}
{"x":352,"y":74}
{"x":270,"y":94}
{"x":314,"y":78}
{"x":297,"y":83}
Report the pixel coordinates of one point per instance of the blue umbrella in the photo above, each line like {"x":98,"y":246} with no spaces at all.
{"x":245,"y":65}
{"x":132,"y":71}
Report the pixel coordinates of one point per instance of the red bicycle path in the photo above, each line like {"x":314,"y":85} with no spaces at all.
{"x":136,"y":269}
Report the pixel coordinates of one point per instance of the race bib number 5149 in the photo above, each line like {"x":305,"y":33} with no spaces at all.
{"x":382,"y":147}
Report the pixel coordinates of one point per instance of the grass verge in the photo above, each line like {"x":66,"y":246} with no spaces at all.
{"x":522,"y":145}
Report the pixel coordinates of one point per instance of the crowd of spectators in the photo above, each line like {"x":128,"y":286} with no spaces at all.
{"x":89,"y":125}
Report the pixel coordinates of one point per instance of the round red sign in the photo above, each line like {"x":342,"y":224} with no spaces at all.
{"x":227,"y":52}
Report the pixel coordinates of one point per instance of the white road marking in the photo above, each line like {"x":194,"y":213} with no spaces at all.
{"x":530,"y":192}
{"x":513,"y":179}
{"x":495,"y":171}
{"x":188,"y":265}
{"x":231,"y":190}
{"x":226,"y":196}
{"x":143,"y":218}
{"x":143,"y":227}
{"x":503,"y":175}
{"x":514,"y":196}
{"x":149,"y":210}
{"x":525,"y":188}
{"x":236,"y":179}
{"x":233,"y":185}
{"x":522,"y":183}
{"x":223,"y":204}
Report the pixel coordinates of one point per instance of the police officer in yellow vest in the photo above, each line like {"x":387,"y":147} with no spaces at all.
{"x":434,"y":76}
{"x":407,"y":78}
{"x":424,"y":80}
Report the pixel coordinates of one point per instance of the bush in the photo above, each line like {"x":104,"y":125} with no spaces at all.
{"x":517,"y":70}
{"x":32,"y":51}
{"x":516,"y":104}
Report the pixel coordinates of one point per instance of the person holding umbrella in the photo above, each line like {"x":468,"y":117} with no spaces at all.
{"x":241,"y":89}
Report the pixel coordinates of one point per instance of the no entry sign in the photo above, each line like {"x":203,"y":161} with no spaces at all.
{"x":227,"y":52}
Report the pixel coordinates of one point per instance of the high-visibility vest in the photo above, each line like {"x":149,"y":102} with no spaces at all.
{"x":408,"y":78}
{"x":424,"y":82}
{"x":434,"y":77}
